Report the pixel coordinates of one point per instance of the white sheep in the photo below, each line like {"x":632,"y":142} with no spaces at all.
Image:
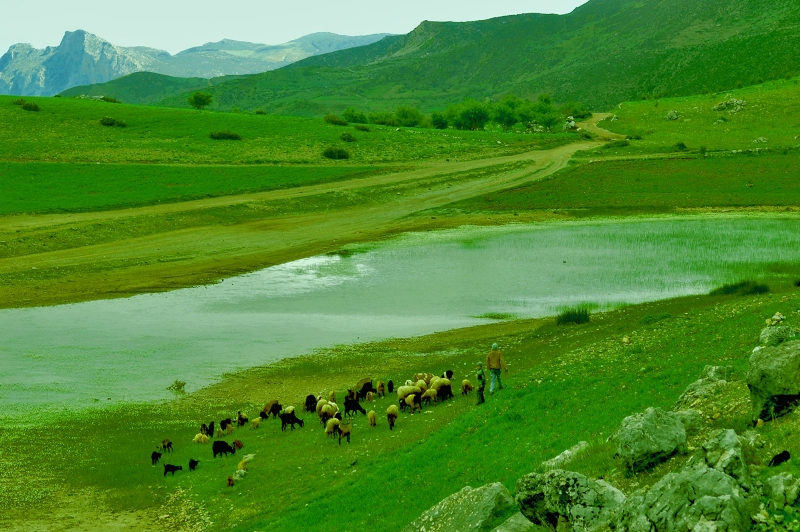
{"x":255,"y":423}
{"x":372,"y":417}
{"x":428,"y":396}
{"x":288,"y":410}
{"x":332,"y":397}
{"x":422,"y":385}
{"x":391,"y":415}
{"x":466,"y":387}
{"x":200,"y":438}
{"x":332,"y":426}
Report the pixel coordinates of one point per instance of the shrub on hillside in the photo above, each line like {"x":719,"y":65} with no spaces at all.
{"x":332,"y":119}
{"x":615,"y":144}
{"x":438,"y":120}
{"x":408,"y":116}
{"x":260,"y":112}
{"x":360,"y":127}
{"x":109,"y":99}
{"x":108,"y":121}
{"x":742,"y":288}
{"x":384,"y":119}
{"x":30,"y":106}
{"x":18,"y":101}
{"x":335,"y":153}
{"x":573,"y":316}
{"x":575,"y":110}
{"x":351,"y":115}
{"x":200,"y":100}
{"x":347,"y":137}
{"x":224,"y":135}
{"x":680,"y":146}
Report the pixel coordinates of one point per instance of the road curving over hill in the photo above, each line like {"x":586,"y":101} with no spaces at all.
{"x":125,"y":252}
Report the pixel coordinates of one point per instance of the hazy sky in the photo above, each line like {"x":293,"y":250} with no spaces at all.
{"x":175,"y":25}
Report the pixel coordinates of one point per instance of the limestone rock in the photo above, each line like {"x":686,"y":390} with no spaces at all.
{"x":723,"y":452}
{"x":546,"y":498}
{"x":691,"y":419}
{"x":772,"y":377}
{"x":566,"y":456}
{"x":711,"y":380}
{"x":697,"y":498}
{"x":481,"y":508}
{"x":772,"y":336}
{"x":783,"y":490}
{"x":672,"y":115}
{"x":649,"y":438}
{"x":516,"y":523}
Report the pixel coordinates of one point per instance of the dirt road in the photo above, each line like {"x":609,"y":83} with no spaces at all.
{"x":164,"y":260}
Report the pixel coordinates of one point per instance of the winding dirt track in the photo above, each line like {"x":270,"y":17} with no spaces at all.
{"x":203,"y":254}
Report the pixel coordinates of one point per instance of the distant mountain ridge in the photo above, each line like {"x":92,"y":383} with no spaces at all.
{"x":84,"y":59}
{"x":602,"y":53}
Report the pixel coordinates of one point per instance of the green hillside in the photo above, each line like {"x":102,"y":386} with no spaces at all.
{"x":604,"y":52}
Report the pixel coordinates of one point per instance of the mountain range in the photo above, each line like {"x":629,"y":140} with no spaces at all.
{"x":83,"y":58}
{"x":602,"y":53}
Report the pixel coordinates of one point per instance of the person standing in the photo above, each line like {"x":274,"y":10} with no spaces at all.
{"x":495,"y":362}
{"x":481,"y":376}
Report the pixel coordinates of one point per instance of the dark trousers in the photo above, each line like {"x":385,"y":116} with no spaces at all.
{"x":480,"y":395}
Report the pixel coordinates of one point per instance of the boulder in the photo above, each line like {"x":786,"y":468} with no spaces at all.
{"x":711,"y":380}
{"x":649,"y":438}
{"x":516,"y":523}
{"x":783,"y":490}
{"x":481,"y":508}
{"x":672,"y":115}
{"x":565,"y":457}
{"x":723,"y":452}
{"x":691,"y":419}
{"x":567,"y":497}
{"x":772,"y":336}
{"x":772,"y":377}
{"x":696,"y":498}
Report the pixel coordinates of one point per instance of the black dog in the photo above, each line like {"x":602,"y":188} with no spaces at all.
{"x":193,"y":464}
{"x":169,"y":468}
{"x":155,"y":457}
{"x":779,"y":458}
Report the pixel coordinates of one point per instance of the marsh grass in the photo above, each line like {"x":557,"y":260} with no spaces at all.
{"x":224,"y":135}
{"x":30,"y":106}
{"x":573,"y":316}
{"x":497,"y":316}
{"x":741,"y":288}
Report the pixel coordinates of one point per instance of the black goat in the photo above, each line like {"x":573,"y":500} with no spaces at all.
{"x":193,"y":464}
{"x":390,"y":386}
{"x":155,"y":457}
{"x":779,"y":458}
{"x":352,"y":405}
{"x":169,"y":468}
{"x":445,"y":392}
{"x":448,"y":374}
{"x":290,"y":419}
{"x":311,"y":403}
{"x":221,"y":447}
{"x":210,"y":432}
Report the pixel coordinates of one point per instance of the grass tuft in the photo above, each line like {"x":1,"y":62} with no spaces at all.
{"x":742,"y":288}
{"x":496,"y":316}
{"x":334,"y":120}
{"x":616,"y":144}
{"x":573,"y":316}
{"x":30,"y":106}
{"x":224,"y":135}
{"x":362,"y":127}
{"x":347,"y":137}
{"x":335,"y":153}
{"x":108,"y":121}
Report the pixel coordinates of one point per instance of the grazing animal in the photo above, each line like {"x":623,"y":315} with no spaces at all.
{"x":390,"y":387}
{"x":351,"y":405}
{"x":332,"y":426}
{"x":210,"y":432}
{"x":427,"y":396}
{"x":373,"y":418}
{"x":255,"y":423}
{"x":311,"y":403}
{"x":422,"y":385}
{"x":779,"y":458}
{"x":230,"y":482}
{"x":219,"y":433}
{"x":193,"y":464}
{"x":290,"y":418}
{"x":364,"y":387}
{"x":381,"y":389}
{"x":238,"y":444}
{"x":226,"y":425}
{"x":345,"y":431}
{"x":222,"y":447}
{"x":466,"y":387}
{"x":327,"y":413}
{"x":391,"y":415}
{"x":414,"y":402}
{"x":448,"y":374}
{"x":331,"y":397}
{"x":204,"y":429}
{"x":241,"y":419}
{"x":273,"y":407}
{"x":370,"y":396}
{"x":155,"y":457}
{"x":169,"y":468}
{"x":166,"y":445}
{"x":200,"y":438}
{"x":445,"y":392}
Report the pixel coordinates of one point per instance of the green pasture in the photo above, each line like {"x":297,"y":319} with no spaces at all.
{"x":567,"y":384}
{"x":69,"y":130}
{"x":638,"y":186}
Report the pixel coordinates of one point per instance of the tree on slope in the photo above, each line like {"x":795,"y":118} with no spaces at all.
{"x":199,"y":100}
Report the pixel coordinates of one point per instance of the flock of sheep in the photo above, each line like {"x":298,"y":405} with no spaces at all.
{"x":423,"y":388}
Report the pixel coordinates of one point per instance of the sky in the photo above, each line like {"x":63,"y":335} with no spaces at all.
{"x":175,"y":25}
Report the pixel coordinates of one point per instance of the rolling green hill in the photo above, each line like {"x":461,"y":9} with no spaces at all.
{"x":604,"y":52}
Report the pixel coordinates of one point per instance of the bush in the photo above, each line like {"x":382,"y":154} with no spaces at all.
{"x":335,"y":153}
{"x":680,"y":146}
{"x":351,"y":115}
{"x":177,"y":387}
{"x":18,"y":101}
{"x":573,"y":316}
{"x":575,"y":110}
{"x":347,"y":137}
{"x":615,"y":144}
{"x":384,"y":119}
{"x":30,"y":106}
{"x":108,"y":121}
{"x":260,"y":112}
{"x":438,"y":120}
{"x":334,"y":120}
{"x":742,"y":288}
{"x":408,"y":116}
{"x":224,"y":135}
{"x":199,"y":100}
{"x":109,"y":99}
{"x":359,"y":127}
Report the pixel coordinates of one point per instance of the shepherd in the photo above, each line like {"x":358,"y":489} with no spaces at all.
{"x":495,"y":362}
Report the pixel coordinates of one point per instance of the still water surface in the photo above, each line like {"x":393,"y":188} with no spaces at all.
{"x":102,"y":352}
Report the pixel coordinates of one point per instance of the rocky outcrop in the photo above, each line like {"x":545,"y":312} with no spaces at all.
{"x":691,"y":419}
{"x":649,"y":438}
{"x":711,"y":380}
{"x":481,"y":508}
{"x":783,"y":490}
{"x":776,"y":335}
{"x":565,"y":496}
{"x":772,"y":377}
{"x":516,"y":523}
{"x":723,"y":452}
{"x":565,"y":457}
